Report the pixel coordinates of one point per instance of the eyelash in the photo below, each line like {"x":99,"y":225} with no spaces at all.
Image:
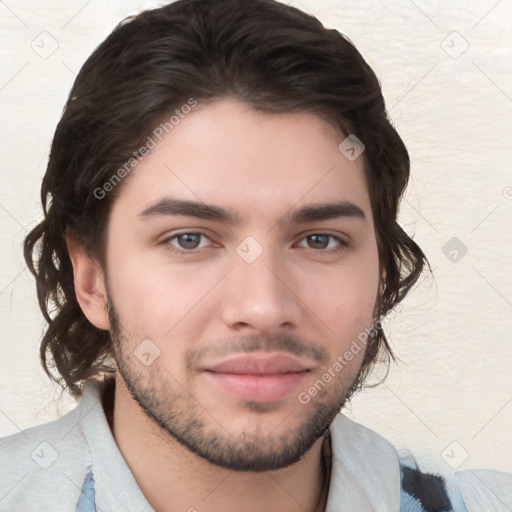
{"x":343,"y":245}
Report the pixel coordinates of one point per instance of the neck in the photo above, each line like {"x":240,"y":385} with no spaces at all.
{"x":172,"y":478}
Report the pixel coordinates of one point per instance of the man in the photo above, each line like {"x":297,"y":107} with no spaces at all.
{"x":218,"y":252}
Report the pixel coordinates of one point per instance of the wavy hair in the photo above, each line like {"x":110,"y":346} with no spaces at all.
{"x":275,"y":58}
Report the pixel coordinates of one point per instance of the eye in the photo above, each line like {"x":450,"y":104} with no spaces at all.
{"x":320,"y":241}
{"x":187,"y":243}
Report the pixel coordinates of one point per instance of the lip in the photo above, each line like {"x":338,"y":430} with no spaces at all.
{"x":257,"y":388}
{"x":258,"y":378}
{"x":259,"y":364}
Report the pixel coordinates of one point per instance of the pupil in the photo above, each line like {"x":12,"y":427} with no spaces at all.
{"x":323,"y":245}
{"x":188,"y":238}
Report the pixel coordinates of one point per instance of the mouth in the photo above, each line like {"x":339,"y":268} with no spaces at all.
{"x":257,"y":388}
{"x":258,"y":378}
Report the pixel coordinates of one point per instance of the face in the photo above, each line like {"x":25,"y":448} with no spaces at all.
{"x":227,"y":316}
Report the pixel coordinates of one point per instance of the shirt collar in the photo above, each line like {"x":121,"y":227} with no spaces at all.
{"x":365,"y":474}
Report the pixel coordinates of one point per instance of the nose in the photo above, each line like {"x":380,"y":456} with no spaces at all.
{"x":260,"y":295}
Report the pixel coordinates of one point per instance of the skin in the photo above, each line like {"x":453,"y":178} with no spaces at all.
{"x":189,"y":443}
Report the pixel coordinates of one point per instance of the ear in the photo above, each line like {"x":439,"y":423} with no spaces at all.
{"x":90,"y":289}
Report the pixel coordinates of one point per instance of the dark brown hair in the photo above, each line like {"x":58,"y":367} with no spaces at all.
{"x":267,"y":54}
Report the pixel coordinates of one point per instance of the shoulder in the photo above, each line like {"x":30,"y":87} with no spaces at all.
{"x":485,"y":489}
{"x":429,"y":486}
{"x":43,"y":467}
{"x":410,"y":482}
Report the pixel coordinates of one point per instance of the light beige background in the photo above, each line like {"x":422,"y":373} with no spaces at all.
{"x":446,"y":71}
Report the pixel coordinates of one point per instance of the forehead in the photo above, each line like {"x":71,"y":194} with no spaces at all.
{"x":256,"y":164}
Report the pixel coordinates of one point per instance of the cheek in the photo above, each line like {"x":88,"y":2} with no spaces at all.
{"x":134,"y":288}
{"x":153,"y":297}
{"x":348,"y":297}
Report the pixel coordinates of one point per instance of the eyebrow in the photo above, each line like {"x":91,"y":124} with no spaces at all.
{"x":169,"y":206}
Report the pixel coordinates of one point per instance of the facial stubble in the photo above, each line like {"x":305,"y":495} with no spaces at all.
{"x":180,"y":415}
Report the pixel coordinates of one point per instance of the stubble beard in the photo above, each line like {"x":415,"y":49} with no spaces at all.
{"x":180,"y":415}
